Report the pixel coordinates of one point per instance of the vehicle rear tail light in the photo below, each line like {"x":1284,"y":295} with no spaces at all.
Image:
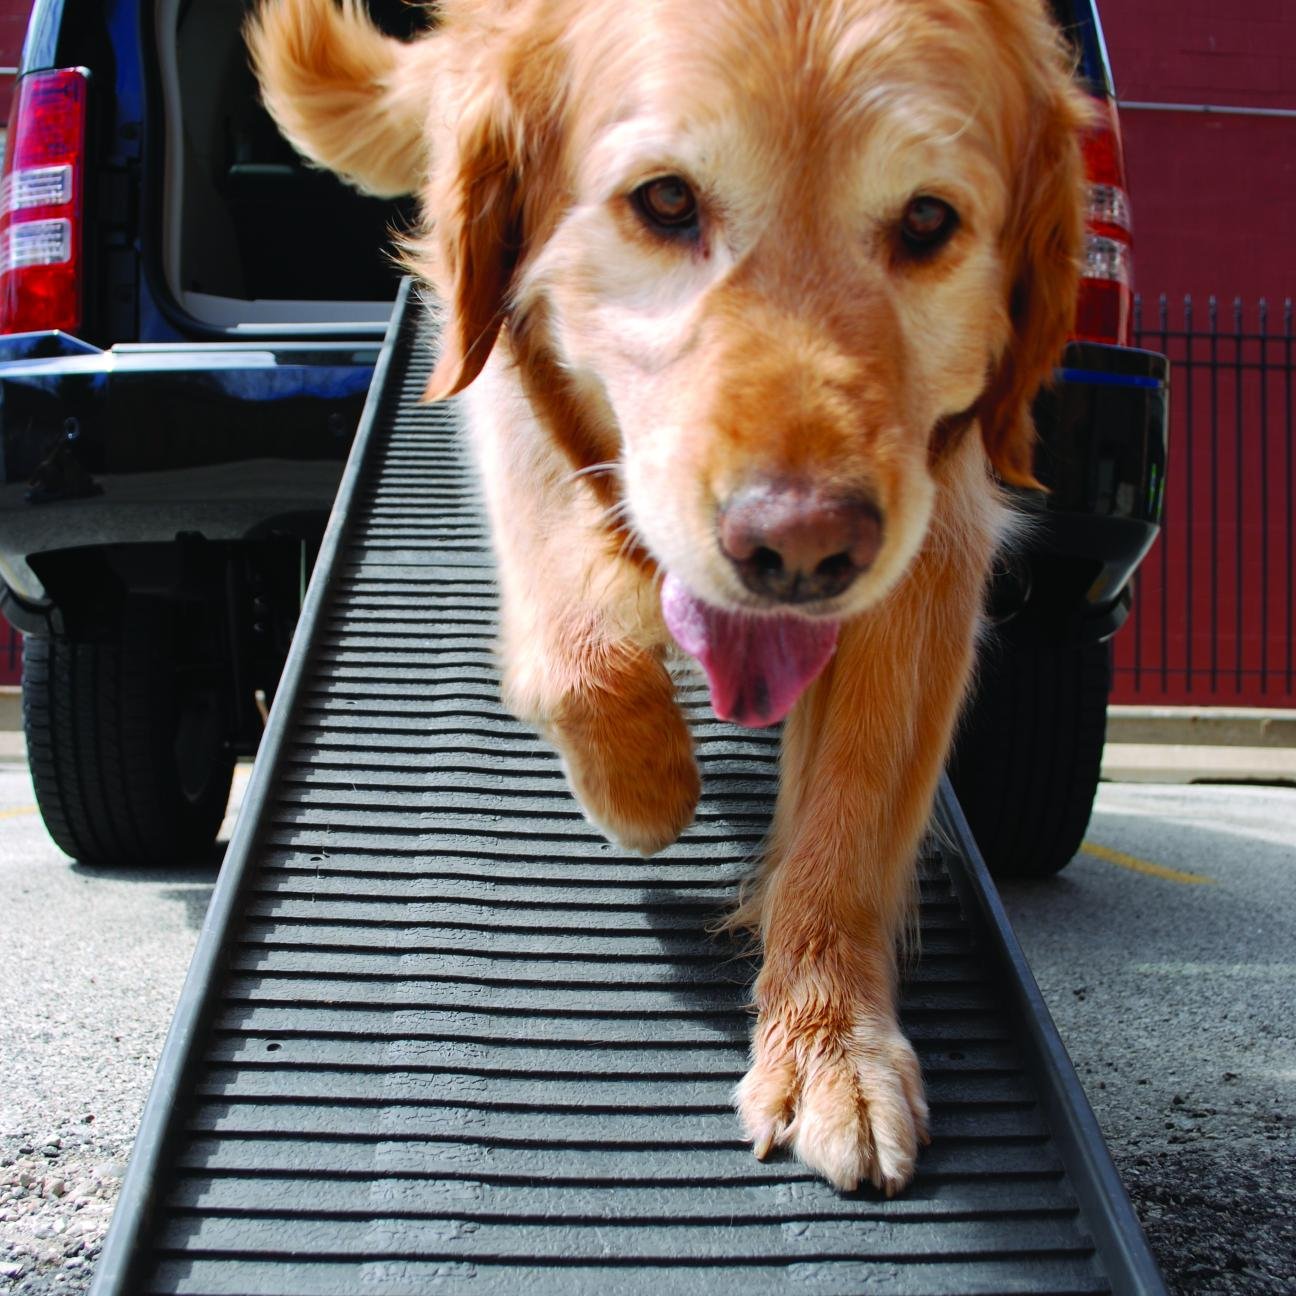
{"x":1107,"y":285}
{"x":40,"y":204}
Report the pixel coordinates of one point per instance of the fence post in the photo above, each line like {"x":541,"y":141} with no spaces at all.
{"x":1264,"y":495}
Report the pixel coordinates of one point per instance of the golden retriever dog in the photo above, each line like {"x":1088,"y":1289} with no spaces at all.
{"x":748,"y":300}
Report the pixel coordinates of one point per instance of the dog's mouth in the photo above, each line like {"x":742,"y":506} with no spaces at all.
{"x":757,"y":666}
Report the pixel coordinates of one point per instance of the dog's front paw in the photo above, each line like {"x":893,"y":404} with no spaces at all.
{"x":846,"y":1094}
{"x":629,"y":758}
{"x":642,"y":796}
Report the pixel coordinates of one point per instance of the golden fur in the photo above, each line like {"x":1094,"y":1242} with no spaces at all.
{"x":618,"y":385}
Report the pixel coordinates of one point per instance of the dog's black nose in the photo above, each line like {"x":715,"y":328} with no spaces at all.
{"x":794,"y":543}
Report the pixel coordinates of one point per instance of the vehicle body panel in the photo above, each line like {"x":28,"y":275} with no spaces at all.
{"x":141,"y":443}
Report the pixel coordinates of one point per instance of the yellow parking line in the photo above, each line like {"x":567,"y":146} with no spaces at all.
{"x":16,"y":811}
{"x":1137,"y":865}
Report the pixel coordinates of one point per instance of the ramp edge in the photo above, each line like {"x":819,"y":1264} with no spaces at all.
{"x":1104,"y":1203}
{"x":116,"y":1271}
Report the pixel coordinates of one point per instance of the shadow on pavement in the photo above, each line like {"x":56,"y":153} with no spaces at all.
{"x":190,"y":884}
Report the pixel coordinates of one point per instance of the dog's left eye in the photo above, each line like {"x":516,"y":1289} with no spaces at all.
{"x":927,"y":223}
{"x":668,"y":205}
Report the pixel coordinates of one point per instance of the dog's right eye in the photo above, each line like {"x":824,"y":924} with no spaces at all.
{"x":668,"y":205}
{"x":927,"y":224}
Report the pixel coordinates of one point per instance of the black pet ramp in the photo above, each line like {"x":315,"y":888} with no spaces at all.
{"x":440,"y":1037}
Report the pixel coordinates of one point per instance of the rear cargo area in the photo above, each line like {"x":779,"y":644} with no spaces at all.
{"x":252,"y":234}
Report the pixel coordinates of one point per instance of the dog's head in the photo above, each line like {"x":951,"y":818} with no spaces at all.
{"x":772,"y":256}
{"x":777,"y":251}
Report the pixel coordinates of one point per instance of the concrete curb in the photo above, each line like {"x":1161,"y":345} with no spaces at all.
{"x":10,"y":707}
{"x":1202,"y":726}
{"x":1178,"y":763}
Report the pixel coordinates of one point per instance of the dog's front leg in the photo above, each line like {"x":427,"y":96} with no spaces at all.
{"x":607,"y":703}
{"x":832,"y":1075}
{"x":582,"y":642}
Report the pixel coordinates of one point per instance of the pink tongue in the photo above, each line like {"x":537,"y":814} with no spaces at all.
{"x":757,"y":666}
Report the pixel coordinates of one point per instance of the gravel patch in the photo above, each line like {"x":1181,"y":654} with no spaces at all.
{"x":57,"y":1191}
{"x":93,"y":962}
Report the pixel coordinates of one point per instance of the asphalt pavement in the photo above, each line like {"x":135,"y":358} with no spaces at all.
{"x":1167,"y":954}
{"x":1165,"y":951}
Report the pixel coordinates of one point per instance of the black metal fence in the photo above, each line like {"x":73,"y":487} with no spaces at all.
{"x":1216,"y":599}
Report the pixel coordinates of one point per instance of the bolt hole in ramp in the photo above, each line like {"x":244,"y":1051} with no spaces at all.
{"x":438,"y":1036}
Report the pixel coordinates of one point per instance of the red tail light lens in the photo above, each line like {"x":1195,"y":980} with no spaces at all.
{"x":1107,"y":286}
{"x":40,"y":204}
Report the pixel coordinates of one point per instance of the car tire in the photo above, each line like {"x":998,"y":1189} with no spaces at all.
{"x":130,"y":767}
{"x":1028,"y":752}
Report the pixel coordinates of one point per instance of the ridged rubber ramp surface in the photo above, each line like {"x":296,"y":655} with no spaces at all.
{"x":455,"y":1042}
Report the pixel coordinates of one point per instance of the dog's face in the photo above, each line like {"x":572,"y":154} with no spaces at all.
{"x":774,"y":252}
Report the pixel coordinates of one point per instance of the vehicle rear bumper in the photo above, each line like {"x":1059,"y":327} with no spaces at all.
{"x":1102,"y":454}
{"x":142,"y":443}
{"x":139,"y":444}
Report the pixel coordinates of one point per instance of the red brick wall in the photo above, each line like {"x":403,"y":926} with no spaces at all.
{"x":1213,"y":194}
{"x":1184,"y":49}
{"x":1214,"y":199}
{"x":13,"y":28}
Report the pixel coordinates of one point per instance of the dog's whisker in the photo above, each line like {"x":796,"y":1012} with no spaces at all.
{"x":611,"y":467}
{"x":614,"y":515}
{"x":629,"y":540}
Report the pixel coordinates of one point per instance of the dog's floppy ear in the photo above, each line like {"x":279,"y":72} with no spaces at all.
{"x":474,"y":243}
{"x":345,"y":95}
{"x":494,"y":190}
{"x":1043,"y":243}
